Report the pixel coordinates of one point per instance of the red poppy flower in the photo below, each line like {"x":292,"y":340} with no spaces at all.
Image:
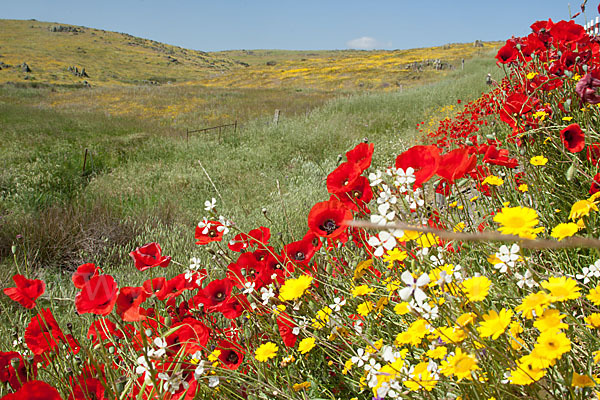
{"x":249,"y":267}
{"x":358,"y":194}
{"x":423,"y":159}
{"x":209,"y":231}
{"x":235,"y":306}
{"x":155,"y":285}
{"x":103,"y":329}
{"x":567,"y":32}
{"x":175,"y":286}
{"x":86,"y":389}
{"x":341,"y":178}
{"x":300,"y":252}
{"x":98,"y":296}
{"x":35,"y":390}
{"x":128,"y":303}
{"x":213,"y":296}
{"x":593,"y":153}
{"x":456,"y":164}
{"x":507,"y":53}
{"x":43,"y":333}
{"x":595,"y":187}
{"x":361,"y":155}
{"x":286,"y":325}
{"x":149,"y":256}
{"x":8,"y":373}
{"x":191,"y":335}
{"x":26,"y":292}
{"x":499,"y":157}
{"x":84,"y":273}
{"x":232,"y":354}
{"x":573,"y":138}
{"x":327,"y":219}
{"x":516,"y":104}
{"x":238,"y":243}
{"x":259,"y":237}
{"x":586,"y":88}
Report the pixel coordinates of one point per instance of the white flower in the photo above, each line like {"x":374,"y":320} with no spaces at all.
{"x":381,"y":241}
{"x":526,"y":279}
{"x":426,"y":311}
{"x":337,"y":304}
{"x":205,"y":225}
{"x":195,"y":263}
{"x":199,"y":371}
{"x":266,"y":295}
{"x":210,"y":204}
{"x":161,"y":348}
{"x":375,"y":178}
{"x":360,"y":358}
{"x":507,"y":257}
{"x":585,"y":275}
{"x":595,"y":268}
{"x":389,"y":354}
{"x":444,"y":279}
{"x":213,"y":381}
{"x":249,"y":287}
{"x":372,"y":366}
{"x":413,"y":287}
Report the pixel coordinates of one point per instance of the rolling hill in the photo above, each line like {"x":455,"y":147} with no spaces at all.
{"x":34,"y":52}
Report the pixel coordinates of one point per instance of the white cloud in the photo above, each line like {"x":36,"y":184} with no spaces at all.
{"x":366,"y":43}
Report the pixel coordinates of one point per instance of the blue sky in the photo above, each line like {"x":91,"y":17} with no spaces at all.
{"x":301,"y":24}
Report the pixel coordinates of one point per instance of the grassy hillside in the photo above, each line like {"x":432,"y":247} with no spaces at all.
{"x":52,"y":51}
{"x":143,"y":181}
{"x":109,"y":58}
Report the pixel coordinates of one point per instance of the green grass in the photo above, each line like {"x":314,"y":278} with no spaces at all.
{"x":144,"y":183}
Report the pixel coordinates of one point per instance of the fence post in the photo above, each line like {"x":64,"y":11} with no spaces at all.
{"x":84,"y":161}
{"x":235,"y":126}
{"x":276,"y":117}
{"x":187,"y":135}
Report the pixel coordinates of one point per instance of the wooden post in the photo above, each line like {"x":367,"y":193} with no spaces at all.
{"x":84,"y":161}
{"x":463,"y":63}
{"x":235,"y":127}
{"x":276,"y":117}
{"x":187,"y":135}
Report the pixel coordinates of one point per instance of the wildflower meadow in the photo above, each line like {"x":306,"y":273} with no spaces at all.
{"x":466,"y":268}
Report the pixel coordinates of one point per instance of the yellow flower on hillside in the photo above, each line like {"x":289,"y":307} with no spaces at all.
{"x":562,"y":288}
{"x":394,"y":255}
{"x":437,"y":353}
{"x":427,"y":240}
{"x":476,"y":288}
{"x":552,"y":345}
{"x":494,"y":324}
{"x":364,"y":308}
{"x":460,"y":365}
{"x":293,"y":289}
{"x":300,"y":386}
{"x":362,"y":290}
{"x":526,"y":372}
{"x":550,"y":320}
{"x":306,"y":345}
{"x":322,"y":318}
{"x":266,"y":351}
{"x":538,"y":161}
{"x":362,"y":268}
{"x":402,"y":308}
{"x":534,"y":303}
{"x":582,"y":208}
{"x":593,"y":321}
{"x":520,"y":221}
{"x":594,"y":295}
{"x":493,"y":180}
{"x":514,"y":331}
{"x":564,"y":230}
{"x":421,"y":378}
{"x":581,"y":381}
{"x":523,"y":187}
